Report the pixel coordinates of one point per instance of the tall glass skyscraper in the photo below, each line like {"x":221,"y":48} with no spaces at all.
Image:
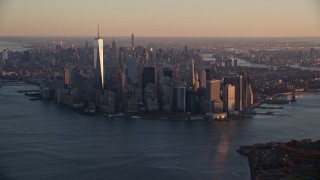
{"x":98,"y":60}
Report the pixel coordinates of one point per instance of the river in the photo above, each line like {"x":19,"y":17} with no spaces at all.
{"x":41,"y":140}
{"x":245,"y":63}
{"x":13,"y":45}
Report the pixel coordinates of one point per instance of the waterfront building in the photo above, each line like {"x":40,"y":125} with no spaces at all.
{"x":180,"y":99}
{"x":132,"y":105}
{"x":166,"y":94}
{"x":151,"y":97}
{"x":108,"y":105}
{"x":229,"y":99}
{"x":217,"y":106}
{"x":237,"y":82}
{"x":58,"y":84}
{"x":247,"y":90}
{"x":212,"y":95}
{"x":165,"y":87}
{"x":192,"y":102}
{"x":249,"y":95}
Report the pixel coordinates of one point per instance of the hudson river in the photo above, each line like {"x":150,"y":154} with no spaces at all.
{"x":41,"y":140}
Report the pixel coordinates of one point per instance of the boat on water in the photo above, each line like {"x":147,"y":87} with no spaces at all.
{"x":115,"y":115}
{"x":217,"y":116}
{"x":34,"y":99}
{"x":92,"y":108}
{"x":78,"y":106}
{"x":135,"y":117}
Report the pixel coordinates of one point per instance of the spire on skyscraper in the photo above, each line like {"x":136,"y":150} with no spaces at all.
{"x":98,"y":32}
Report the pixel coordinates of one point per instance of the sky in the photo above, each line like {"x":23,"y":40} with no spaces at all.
{"x":195,"y":18}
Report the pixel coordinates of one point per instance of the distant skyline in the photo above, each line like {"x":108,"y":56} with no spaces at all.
{"x":202,"y":18}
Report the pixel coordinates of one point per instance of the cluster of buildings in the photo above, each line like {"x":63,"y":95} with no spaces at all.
{"x":134,"y":78}
{"x":139,"y":79}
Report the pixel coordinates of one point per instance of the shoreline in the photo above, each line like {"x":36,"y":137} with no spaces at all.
{"x":172,"y":116}
{"x":275,"y":160}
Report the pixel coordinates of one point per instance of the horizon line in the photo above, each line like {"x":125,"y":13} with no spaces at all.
{"x":129,"y":35}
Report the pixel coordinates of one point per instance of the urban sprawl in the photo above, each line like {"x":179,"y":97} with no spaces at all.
{"x":168,"y":77}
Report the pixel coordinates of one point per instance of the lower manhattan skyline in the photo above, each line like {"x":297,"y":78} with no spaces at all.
{"x":159,"y":90}
{"x":247,"y":18}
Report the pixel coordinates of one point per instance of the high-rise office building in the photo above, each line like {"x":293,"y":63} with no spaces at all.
{"x":67,"y":76}
{"x":249,"y":91}
{"x":237,"y":82}
{"x":132,"y":70}
{"x":203,"y":79}
{"x":5,"y":55}
{"x":191,"y":71}
{"x":122,"y":57}
{"x":98,"y":61}
{"x":180,"y":99}
{"x":132,"y":42}
{"x":114,"y":53}
{"x":208,"y":74}
{"x":148,"y":76}
{"x":229,"y":98}
{"x":213,"y":104}
{"x":186,"y":73}
{"x":109,"y":71}
{"x":213,"y":90}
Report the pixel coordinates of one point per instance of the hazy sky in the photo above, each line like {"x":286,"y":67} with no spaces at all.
{"x":160,"y":17}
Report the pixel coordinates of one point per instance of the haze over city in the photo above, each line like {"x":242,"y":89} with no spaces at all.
{"x":203,"y":18}
{"x":180,"y":89}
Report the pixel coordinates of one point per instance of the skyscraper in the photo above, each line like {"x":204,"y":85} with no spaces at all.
{"x":203,"y":79}
{"x":132,"y":42}
{"x":67,"y":76}
{"x":186,"y":73}
{"x":148,"y":76}
{"x":5,"y":53}
{"x":213,"y":90}
{"x":237,"y":82}
{"x":208,"y":74}
{"x":114,"y":52}
{"x":132,"y":70}
{"x":180,"y":95}
{"x":98,"y":60}
{"x":229,"y":98}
